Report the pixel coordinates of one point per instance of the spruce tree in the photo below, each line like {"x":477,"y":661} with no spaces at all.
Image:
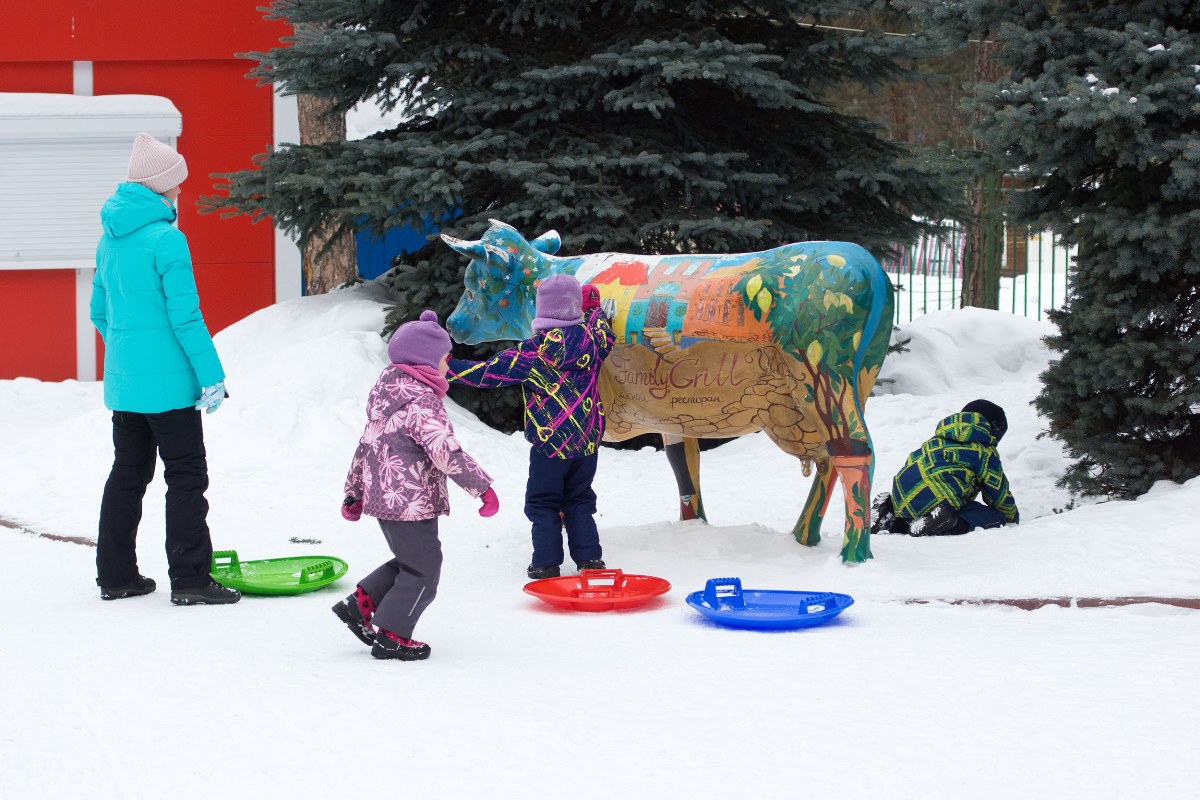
{"x":632,"y":125}
{"x":1101,"y":111}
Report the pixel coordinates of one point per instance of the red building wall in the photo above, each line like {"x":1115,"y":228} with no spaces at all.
{"x":37,"y":306}
{"x":183,"y":51}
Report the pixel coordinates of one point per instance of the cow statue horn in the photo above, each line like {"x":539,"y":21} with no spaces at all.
{"x":468,"y":249}
{"x":495,"y":223}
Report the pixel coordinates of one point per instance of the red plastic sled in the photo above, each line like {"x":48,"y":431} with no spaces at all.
{"x":598,"y":590}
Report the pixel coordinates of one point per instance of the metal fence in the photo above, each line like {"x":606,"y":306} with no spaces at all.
{"x":1034,"y":276}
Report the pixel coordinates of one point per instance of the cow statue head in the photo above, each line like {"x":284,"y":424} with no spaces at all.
{"x":501,"y":283}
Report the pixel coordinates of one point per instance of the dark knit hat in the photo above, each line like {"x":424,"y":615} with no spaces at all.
{"x":559,"y":303}
{"x":422,"y":341}
{"x":993,"y":413}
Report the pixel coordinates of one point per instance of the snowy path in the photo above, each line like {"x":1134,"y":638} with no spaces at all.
{"x":274,"y":698}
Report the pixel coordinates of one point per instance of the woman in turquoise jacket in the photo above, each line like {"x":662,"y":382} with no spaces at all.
{"x":160,"y":370}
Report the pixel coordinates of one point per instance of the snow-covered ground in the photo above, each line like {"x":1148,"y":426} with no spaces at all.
{"x":274,"y":698}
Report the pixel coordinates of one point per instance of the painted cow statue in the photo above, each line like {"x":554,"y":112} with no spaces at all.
{"x":788,"y":341}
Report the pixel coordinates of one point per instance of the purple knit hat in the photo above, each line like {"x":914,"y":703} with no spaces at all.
{"x":422,"y":341}
{"x":559,"y":303}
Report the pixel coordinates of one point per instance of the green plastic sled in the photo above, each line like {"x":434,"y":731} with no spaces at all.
{"x":276,"y":576}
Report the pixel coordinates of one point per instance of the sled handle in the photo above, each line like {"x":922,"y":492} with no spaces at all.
{"x":226,"y":560}
{"x":724,"y":593}
{"x":593,"y":583}
{"x":316,"y":572}
{"x":824,"y":601}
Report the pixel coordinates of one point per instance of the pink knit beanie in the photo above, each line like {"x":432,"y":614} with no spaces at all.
{"x":155,"y":165}
{"x":423,"y":341}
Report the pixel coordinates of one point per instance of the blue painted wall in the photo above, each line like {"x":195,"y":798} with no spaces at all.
{"x":375,"y":255}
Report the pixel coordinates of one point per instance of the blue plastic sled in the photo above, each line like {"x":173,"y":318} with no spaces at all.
{"x":724,"y":602}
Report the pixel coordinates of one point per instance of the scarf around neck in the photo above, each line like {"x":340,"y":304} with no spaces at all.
{"x":427,"y":375}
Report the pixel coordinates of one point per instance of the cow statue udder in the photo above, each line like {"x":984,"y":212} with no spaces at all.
{"x":788,"y":341}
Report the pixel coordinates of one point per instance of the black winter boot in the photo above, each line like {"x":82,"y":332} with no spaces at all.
{"x":389,"y":645}
{"x":211,"y":595}
{"x":135,"y":588}
{"x":537,"y":573}
{"x":941,"y":521}
{"x":350,"y":612}
{"x":883,"y":514}
{"x":594,"y":563}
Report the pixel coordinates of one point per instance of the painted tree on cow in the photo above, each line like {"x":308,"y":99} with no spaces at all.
{"x":637,"y":126}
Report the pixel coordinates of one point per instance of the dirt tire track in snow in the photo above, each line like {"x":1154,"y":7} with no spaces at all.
{"x":4,"y":523}
{"x":1032,"y":603}
{"x":1024,"y":603}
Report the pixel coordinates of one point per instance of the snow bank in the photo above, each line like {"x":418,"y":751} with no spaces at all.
{"x":965,"y":351}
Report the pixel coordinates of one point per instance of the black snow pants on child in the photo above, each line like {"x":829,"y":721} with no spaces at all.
{"x":405,"y":586}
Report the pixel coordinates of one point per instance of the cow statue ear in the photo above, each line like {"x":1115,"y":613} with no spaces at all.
{"x":548,"y":242}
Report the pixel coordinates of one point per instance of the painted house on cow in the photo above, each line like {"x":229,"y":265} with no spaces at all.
{"x":718,"y":311}
{"x":618,"y":285}
{"x":77,"y":81}
{"x":676,"y":303}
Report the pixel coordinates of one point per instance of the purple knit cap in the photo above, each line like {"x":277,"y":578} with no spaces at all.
{"x":422,"y":341}
{"x":559,"y":303}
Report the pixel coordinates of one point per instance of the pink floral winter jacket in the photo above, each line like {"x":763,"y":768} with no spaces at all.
{"x":406,"y":451}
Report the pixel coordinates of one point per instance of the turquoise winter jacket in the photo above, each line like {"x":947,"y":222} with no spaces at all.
{"x":157,"y":350}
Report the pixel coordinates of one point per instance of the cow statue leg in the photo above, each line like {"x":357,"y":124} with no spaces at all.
{"x":855,"y":474}
{"x":808,"y":527}
{"x":683,"y":454}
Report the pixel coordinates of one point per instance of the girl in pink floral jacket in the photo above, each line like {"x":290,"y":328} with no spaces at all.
{"x":398,"y":475}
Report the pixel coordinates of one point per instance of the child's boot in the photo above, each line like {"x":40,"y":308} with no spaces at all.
{"x":883,"y":513}
{"x":356,"y":611}
{"x":595,"y":563}
{"x":389,"y":645}
{"x":941,"y":521}
{"x":538,"y":573}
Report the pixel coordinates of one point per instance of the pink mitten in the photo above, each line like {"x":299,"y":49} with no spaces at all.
{"x":591,"y":297}
{"x":491,"y":503}
{"x":352,"y":508}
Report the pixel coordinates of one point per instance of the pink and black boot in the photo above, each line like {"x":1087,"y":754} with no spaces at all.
{"x":356,"y":611}
{"x":390,"y":645}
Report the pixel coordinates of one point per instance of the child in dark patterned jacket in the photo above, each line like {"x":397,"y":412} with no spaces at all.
{"x":398,"y":475}
{"x":558,"y":369}
{"x":934,"y":493}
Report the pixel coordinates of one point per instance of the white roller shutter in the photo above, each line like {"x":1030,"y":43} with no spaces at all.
{"x":61,"y":156}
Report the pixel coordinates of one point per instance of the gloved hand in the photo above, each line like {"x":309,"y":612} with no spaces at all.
{"x":591,"y":297}
{"x":211,"y":397}
{"x":491,"y":503}
{"x":352,"y":508}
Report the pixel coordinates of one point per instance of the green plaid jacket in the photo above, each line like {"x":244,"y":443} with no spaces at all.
{"x":959,"y":462}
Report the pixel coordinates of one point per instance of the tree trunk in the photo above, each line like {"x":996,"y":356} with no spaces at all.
{"x":330,"y":251}
{"x":984,"y":246}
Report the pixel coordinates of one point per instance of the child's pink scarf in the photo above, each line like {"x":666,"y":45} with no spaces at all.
{"x":427,"y":375}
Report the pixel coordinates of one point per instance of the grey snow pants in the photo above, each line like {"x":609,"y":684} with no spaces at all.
{"x":405,"y":586}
